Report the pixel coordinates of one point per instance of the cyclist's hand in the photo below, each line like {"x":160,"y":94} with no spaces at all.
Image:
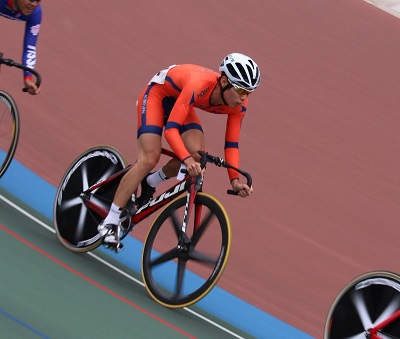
{"x":193,"y":167}
{"x":31,"y":87}
{"x":242,"y":189}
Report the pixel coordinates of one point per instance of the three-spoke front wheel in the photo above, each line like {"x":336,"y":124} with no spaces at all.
{"x":178,"y":276}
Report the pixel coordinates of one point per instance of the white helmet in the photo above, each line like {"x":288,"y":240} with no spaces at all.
{"x":241,"y":71}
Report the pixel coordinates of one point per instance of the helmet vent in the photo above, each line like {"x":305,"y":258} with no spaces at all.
{"x":241,"y":71}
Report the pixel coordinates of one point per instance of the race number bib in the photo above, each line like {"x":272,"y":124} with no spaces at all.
{"x":159,"y":78}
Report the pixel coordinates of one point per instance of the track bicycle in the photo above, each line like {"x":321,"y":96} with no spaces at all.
{"x":9,"y":118}
{"x":367,"y":308}
{"x":188,"y":244}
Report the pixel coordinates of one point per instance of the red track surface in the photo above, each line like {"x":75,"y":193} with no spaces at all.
{"x":321,"y":137}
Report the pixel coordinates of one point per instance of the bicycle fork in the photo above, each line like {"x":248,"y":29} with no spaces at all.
{"x":372,"y":333}
{"x":184,"y":241}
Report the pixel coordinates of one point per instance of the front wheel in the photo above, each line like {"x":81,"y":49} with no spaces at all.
{"x":9,"y":130}
{"x":366,"y":308}
{"x":177,"y":277}
{"x":76,"y":224}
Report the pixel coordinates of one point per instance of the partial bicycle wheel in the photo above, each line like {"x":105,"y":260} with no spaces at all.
{"x":364,"y":303}
{"x":75,"y":224}
{"x":9,"y":130}
{"x":178,"y":277}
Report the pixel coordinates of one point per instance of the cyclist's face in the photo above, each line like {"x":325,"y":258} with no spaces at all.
{"x":238,"y":97}
{"x":26,"y":7}
{"x":231,"y":96}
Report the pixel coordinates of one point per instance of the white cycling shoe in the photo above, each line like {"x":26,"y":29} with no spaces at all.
{"x":109,"y":232}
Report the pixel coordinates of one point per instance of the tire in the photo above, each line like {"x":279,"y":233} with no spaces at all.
{"x":9,"y":130}
{"x":362,"y":304}
{"x":75,"y":224}
{"x":177,"y":278}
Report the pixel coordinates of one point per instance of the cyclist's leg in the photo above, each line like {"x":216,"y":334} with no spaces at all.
{"x":150,"y":117}
{"x":193,"y":136}
{"x":149,"y":152}
{"x":194,"y":142}
{"x":193,"y":139}
{"x":148,"y":155}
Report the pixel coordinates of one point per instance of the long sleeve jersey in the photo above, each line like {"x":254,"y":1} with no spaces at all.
{"x":192,"y":86}
{"x":32,"y":29}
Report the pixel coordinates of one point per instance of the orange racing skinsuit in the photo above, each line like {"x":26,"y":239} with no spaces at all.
{"x":169,"y":100}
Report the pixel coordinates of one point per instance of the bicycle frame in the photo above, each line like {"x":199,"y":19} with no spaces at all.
{"x":130,"y":216}
{"x":188,"y":184}
{"x":144,"y":211}
{"x":191,"y":232}
{"x":373,"y":332}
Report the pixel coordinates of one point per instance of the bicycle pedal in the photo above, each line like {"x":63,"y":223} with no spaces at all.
{"x":116,"y":247}
{"x":119,"y":247}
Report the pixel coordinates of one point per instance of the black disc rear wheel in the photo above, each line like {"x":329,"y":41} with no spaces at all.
{"x":76,"y":224}
{"x":363,"y":304}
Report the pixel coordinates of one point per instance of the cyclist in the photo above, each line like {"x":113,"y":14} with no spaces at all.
{"x":29,"y":11}
{"x":169,"y":100}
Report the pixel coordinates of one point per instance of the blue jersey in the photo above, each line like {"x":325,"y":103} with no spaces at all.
{"x":31,"y":30}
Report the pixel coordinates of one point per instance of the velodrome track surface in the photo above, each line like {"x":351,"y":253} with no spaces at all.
{"x":39,"y":297}
{"x":321,"y":137}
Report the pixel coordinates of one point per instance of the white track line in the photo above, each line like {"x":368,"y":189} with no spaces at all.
{"x":51,"y":229}
{"x":390,"y":6}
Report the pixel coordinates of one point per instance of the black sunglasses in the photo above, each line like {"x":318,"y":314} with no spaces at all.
{"x":34,"y":0}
